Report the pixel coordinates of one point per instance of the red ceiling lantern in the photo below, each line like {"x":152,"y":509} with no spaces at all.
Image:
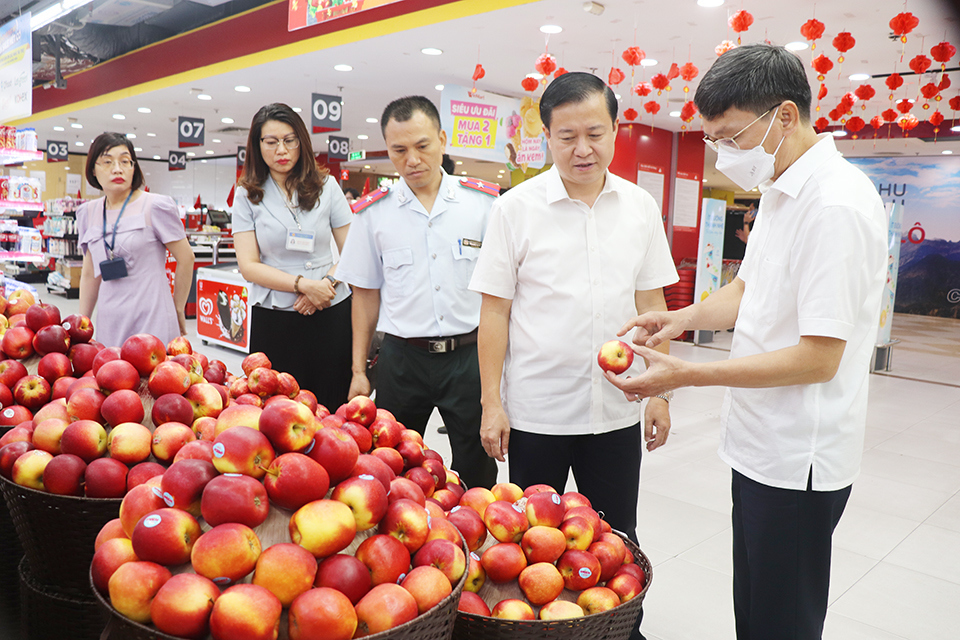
{"x":944,"y":83}
{"x":724,"y":46}
{"x":822,"y":64}
{"x":889,"y":115}
{"x":822,"y":93}
{"x":559,"y":72}
{"x":740,"y":22}
{"x":546,"y":64}
{"x":643,"y":89}
{"x":920,"y":64}
{"x":904,"y":106}
{"x":854,"y":125}
{"x":955,"y":102}
{"x":936,"y":119}
{"x":908,"y":122}
{"x":633,"y":56}
{"x":478,"y":72}
{"x":660,"y":82}
{"x":894,"y":81}
{"x":812,"y":30}
{"x":630,"y":114}
{"x":529,"y":84}
{"x":821,"y":124}
{"x":843,"y":43}
{"x":651,"y":106}
{"x":902,"y":24}
{"x":689,"y":71}
{"x":876,"y":122}
{"x":673,"y":71}
{"x":942,"y":53}
{"x":834,"y":114}
{"x":929,"y":90}
{"x":688,"y":111}
{"x":615,"y":76}
{"x":865,"y":92}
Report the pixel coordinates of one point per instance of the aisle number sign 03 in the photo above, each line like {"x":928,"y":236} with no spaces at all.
{"x":338,"y":148}
{"x":326,"y":112}
{"x":189,"y":132}
{"x":177,"y":161}
{"x":57,"y":151}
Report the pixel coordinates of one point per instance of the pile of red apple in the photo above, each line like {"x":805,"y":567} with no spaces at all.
{"x":547,"y":551}
{"x":329,"y":526}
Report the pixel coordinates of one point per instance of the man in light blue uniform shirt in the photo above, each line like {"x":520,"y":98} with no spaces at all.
{"x":409,"y":257}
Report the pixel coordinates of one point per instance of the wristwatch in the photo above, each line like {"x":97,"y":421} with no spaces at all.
{"x":667,"y":397}
{"x":332,"y":280}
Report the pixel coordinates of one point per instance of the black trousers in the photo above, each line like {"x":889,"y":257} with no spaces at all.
{"x":782,"y":542}
{"x":606,"y":467}
{"x":411,"y":382}
{"x":315,"y":349}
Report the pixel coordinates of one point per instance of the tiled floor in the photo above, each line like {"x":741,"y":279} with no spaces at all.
{"x":896,"y":568}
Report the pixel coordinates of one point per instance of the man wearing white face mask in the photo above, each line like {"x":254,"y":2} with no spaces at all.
{"x":805,"y":305}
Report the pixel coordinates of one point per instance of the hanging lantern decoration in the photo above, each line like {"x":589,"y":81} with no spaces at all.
{"x":559,"y":72}
{"x":944,"y":83}
{"x":955,"y":102}
{"x":821,"y":124}
{"x":478,"y":72}
{"x":889,"y":115}
{"x":907,"y":122}
{"x":633,"y":56}
{"x":902,"y":24}
{"x":615,"y":77}
{"x":689,"y":71}
{"x":651,"y":106}
{"x":942,"y":53}
{"x":845,"y":105}
{"x":936,"y":119}
{"x":894,"y":81}
{"x":630,"y":114}
{"x":930,"y":91}
{"x":529,"y":84}
{"x":834,"y":113}
{"x":821,"y":94}
{"x":920,"y":64}
{"x":843,"y":43}
{"x":822,"y":64}
{"x":724,"y":46}
{"x":854,"y":125}
{"x":673,"y":71}
{"x":687,"y":111}
{"x":876,"y":122}
{"x":740,"y":22}
{"x":904,"y":106}
{"x":864,"y":92}
{"x":545,"y":65}
{"x":660,"y":82}
{"x":812,"y":30}
{"x":643,"y":89}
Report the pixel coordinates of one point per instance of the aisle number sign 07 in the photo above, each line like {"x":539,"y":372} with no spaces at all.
{"x":474,"y":125}
{"x":338,"y":148}
{"x":57,"y":151}
{"x":326,"y":112}
{"x":189,"y":132}
{"x":177,"y":161}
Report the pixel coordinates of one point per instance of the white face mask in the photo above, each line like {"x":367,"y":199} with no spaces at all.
{"x":748,"y":168}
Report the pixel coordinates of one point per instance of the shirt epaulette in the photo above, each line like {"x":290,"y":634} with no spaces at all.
{"x":369,"y":199}
{"x":489,"y":188}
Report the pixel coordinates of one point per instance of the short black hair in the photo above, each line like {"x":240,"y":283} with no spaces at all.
{"x":102,"y":144}
{"x":754,"y":78}
{"x":351,"y":192}
{"x":402,"y":109}
{"x":575,"y":86}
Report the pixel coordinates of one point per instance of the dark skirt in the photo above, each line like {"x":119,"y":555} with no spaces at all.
{"x":315,"y":349}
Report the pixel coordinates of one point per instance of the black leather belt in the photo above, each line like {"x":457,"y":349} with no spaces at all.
{"x":438,"y":345}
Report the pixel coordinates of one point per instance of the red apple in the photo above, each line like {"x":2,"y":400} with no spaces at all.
{"x":79,"y":327}
{"x":263,"y":382}
{"x":287,"y":385}
{"x":81,"y":357}
{"x":10,"y":372}
{"x":165,"y":536}
{"x":588,"y":514}
{"x":386,"y":432}
{"x":27,"y":470}
{"x":107,"y":558}
{"x":538,"y":488}
{"x":17,"y":434}
{"x":84,"y":438}
{"x":51,"y":339}
{"x":428,"y":586}
{"x":246,"y":612}
{"x":635,"y":571}
{"x":322,"y":613}
{"x":205,"y":399}
{"x":169,"y":438}
{"x":615,"y":356}
{"x":598,"y":600}
{"x":17,"y":342}
{"x":179,"y":345}
{"x":129,"y":442}
{"x":243,"y":450}
{"x":572,"y":499}
{"x":560,"y":610}
{"x":84,"y":404}
{"x":205,"y":428}
{"x":541,"y":583}
{"x":442,"y":529}
{"x":122,"y":406}
{"x":544,"y":509}
{"x":610,"y":557}
{"x":477,"y":498}
{"x":411,"y":452}
{"x":543,"y":544}
{"x":134,"y":585}
{"x":408,"y":522}
{"x":578,"y":533}
{"x":625,"y":586}
{"x":168,"y":377}
{"x":138,"y":502}
{"x":234,"y":498}
{"x":144,"y":352}
{"x":470,"y":525}
{"x":503,"y":561}
{"x":473,"y":604}
{"x":104,"y":356}
{"x":371,"y":465}
{"x":286,"y":570}
{"x":9,"y":454}
{"x":172,"y":407}
{"x":105,"y":478}
{"x":6,"y":396}
{"x":196,"y":450}
{"x":249,"y":399}
{"x":308,"y":398}
{"x":238,"y":415}
{"x":48,"y":435}
{"x":183,"y":605}
{"x":512,"y":609}
{"x":64,"y":475}
{"x":346,"y":574}
{"x":184,"y":482}
{"x":362,"y":410}
{"x":214,"y":375}
{"x":61,"y":385}
{"x":12,"y":416}
{"x":405,"y":489}
{"x":255,"y":361}
{"x":41,"y":315}
{"x":437,"y":471}
{"x":505,"y":521}
{"x":113,"y":529}
{"x":445,"y":555}
{"x":323,"y":527}
{"x":288,"y":425}
{"x":142,"y":471}
{"x":293,"y":479}
{"x":386,"y":606}
{"x":53,"y":366}
{"x":366,"y":498}
{"x":226,"y":553}
{"x":506,"y":491}
{"x":336,"y":451}
{"x":238,"y":387}
{"x":391,"y":457}
{"x":359,"y":433}
{"x":423,"y":479}
{"x":580,"y":569}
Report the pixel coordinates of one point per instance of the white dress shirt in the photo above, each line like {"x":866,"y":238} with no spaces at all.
{"x":572,"y":272}
{"x":418,"y":260}
{"x":815,"y":266}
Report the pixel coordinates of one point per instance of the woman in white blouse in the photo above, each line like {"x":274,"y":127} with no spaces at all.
{"x":285,"y":213}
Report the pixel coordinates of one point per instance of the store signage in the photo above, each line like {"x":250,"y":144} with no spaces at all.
{"x":241,"y":157}
{"x":358,"y":155}
{"x":16,"y":69}
{"x":177,"y":161}
{"x":302,"y":14}
{"x":338,"y":148}
{"x":222,"y":312}
{"x":713,"y":217}
{"x":189,"y":132}
{"x":57,"y":151}
{"x":325,"y":112}
{"x":345,"y":174}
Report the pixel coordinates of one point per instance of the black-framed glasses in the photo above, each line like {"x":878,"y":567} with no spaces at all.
{"x":272,"y":142}
{"x":731,"y":142}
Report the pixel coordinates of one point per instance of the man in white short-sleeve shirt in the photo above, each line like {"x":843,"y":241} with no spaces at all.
{"x":806,"y":307}
{"x":566,"y":255}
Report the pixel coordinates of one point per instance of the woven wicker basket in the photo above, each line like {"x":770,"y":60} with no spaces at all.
{"x":48,"y":614}
{"x":10,"y":555}
{"x":616,"y":624}
{"x":436,"y":624}
{"x":57,"y":533}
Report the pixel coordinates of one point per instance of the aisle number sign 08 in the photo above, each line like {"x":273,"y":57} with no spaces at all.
{"x":326,"y":112}
{"x":189,"y":132}
{"x":338,"y":148}
{"x":57,"y":151}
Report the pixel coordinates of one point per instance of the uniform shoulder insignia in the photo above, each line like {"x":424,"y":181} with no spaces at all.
{"x":489,"y":188}
{"x":369,"y":199}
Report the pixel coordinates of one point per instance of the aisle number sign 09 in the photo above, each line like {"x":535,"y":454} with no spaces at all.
{"x":326,"y":112}
{"x":189,"y":132}
{"x":57,"y":151}
{"x":177,"y":161}
{"x":338,"y":148}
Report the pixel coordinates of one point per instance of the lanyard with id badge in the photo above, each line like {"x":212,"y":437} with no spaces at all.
{"x":297,"y":239}
{"x":114,"y":267}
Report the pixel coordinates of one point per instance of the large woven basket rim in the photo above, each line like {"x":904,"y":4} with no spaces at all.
{"x":36,"y":493}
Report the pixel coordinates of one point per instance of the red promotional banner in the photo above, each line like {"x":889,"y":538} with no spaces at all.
{"x":223,"y":313}
{"x":304,"y":13}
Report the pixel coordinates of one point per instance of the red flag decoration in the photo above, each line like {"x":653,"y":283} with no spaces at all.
{"x":812,"y":30}
{"x":196,"y":205}
{"x":546,"y":64}
{"x":529,"y":84}
{"x":902,"y":24}
{"x":366,"y":187}
{"x":630,"y":114}
{"x":616,"y":76}
{"x":740,"y":22}
{"x":633,"y":56}
{"x":230,"y":195}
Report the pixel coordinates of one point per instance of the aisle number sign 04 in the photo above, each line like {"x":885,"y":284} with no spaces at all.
{"x":57,"y":151}
{"x":326,"y":112}
{"x":189,"y":132}
{"x":474,"y":125}
{"x":177,"y":161}
{"x":338,"y":148}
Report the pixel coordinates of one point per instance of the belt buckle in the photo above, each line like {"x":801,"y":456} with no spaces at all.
{"x":439,"y":346}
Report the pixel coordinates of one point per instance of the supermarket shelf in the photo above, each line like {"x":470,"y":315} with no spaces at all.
{"x":17,"y":256}
{"x":15,"y":156}
{"x":21,"y":206}
{"x":69,"y":294}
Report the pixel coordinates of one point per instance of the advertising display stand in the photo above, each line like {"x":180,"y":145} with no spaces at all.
{"x":713,"y":214}
{"x":223,"y":307}
{"x":883,"y":351}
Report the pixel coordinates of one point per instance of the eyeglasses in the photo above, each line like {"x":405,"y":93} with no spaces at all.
{"x":107,"y":163}
{"x":290,"y":142}
{"x":731,"y":142}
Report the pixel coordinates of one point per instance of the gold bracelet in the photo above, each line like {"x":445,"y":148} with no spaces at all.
{"x":296,"y":284}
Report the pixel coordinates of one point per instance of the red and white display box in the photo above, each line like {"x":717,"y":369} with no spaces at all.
{"x":223,"y":307}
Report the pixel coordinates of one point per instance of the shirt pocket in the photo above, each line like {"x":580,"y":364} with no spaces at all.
{"x":398,"y":270}
{"x":771,"y":278}
{"x":464,"y":261}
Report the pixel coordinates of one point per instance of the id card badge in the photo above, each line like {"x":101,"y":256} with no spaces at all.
{"x":113,"y":269}
{"x":298,"y":240}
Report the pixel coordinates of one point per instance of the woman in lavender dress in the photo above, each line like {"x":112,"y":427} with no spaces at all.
{"x":137,"y":227}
